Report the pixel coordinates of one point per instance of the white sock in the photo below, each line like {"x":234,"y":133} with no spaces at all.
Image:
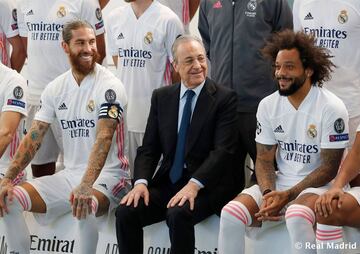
{"x":233,"y":221}
{"x":300,"y":220}
{"x":352,"y":236}
{"x":88,"y":232}
{"x":328,"y":239}
{"x":16,"y":230}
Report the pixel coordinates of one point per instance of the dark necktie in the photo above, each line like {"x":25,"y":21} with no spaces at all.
{"x":178,"y":165}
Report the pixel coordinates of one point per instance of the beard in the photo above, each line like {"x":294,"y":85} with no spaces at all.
{"x":81,"y":67}
{"x":296,"y":84}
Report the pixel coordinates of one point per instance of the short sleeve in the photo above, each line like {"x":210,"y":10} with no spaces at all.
{"x":264,"y":131}
{"x":335,"y":126}
{"x":15,"y":96}
{"x":21,"y":19}
{"x":112,"y":100}
{"x":91,"y":12}
{"x":174,"y":28}
{"x":8,"y":18}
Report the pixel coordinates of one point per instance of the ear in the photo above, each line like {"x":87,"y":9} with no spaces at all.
{"x":65,"y":46}
{"x":309,"y":72}
{"x":175,"y":66}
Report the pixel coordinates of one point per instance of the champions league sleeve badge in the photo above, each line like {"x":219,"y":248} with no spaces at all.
{"x":110,"y":96}
{"x":343,"y":17}
{"x":14,"y":14}
{"x":90,"y":107}
{"x":339,"y":125}
{"x":18,"y":92}
{"x":61,"y":12}
{"x":113,"y":112}
{"x":148,"y":38}
{"x":312,"y":132}
{"x":98,"y":14}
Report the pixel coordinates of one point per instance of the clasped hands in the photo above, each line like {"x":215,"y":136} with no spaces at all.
{"x":272,"y":206}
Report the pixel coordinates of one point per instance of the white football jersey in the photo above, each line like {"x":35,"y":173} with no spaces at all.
{"x":336,"y":24}
{"x":143,"y":47}
{"x":77,"y":110}
{"x":181,"y":9}
{"x":321,"y":122}
{"x":41,"y":21}
{"x":13,"y":91}
{"x":8,"y":28}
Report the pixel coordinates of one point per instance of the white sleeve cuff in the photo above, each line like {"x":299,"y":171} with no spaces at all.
{"x":197,"y":182}
{"x":144,"y":181}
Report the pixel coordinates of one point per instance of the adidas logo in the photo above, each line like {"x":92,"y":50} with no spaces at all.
{"x":217,"y":5}
{"x":62,"y":106}
{"x":279,"y":129}
{"x":103,"y":185}
{"x":120,"y":37}
{"x":308,"y":16}
{"x":31,"y":12}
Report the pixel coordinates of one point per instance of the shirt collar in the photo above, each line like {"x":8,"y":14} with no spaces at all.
{"x":197,"y":89}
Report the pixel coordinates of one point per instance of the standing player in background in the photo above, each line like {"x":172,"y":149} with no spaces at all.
{"x":336,"y":24}
{"x":139,"y":37}
{"x":9,"y":35}
{"x":185,"y":9}
{"x":13,"y":92}
{"x":40,"y":24}
{"x":233,"y":33}
{"x":338,"y":30}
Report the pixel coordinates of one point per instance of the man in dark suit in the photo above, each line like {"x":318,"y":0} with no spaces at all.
{"x":196,"y":177}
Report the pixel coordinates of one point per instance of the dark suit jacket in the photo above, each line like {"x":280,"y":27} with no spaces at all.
{"x":210,"y":145}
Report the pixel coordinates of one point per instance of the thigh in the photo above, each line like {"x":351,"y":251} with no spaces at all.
{"x":55,"y":191}
{"x":109,"y":189}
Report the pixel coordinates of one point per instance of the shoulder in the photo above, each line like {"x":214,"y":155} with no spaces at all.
{"x":115,"y":13}
{"x":330,"y":100}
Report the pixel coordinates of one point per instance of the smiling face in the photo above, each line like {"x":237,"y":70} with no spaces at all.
{"x":289,"y":72}
{"x":190,"y":63}
{"x":82,"y":50}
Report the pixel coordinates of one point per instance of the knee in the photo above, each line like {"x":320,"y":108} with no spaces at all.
{"x":123,"y":213}
{"x":178,"y":214}
{"x":299,"y":213}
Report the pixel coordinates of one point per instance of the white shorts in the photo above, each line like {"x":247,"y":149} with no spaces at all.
{"x":354,"y":122}
{"x":135,"y":140}
{"x":355,"y":192}
{"x":51,"y":145}
{"x":55,"y":190}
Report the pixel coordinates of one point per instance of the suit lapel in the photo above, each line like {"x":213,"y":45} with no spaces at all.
{"x":203,"y":105}
{"x":171,"y":109}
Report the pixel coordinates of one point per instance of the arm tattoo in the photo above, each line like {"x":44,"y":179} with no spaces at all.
{"x":27,"y":148}
{"x":264,"y":166}
{"x":330,"y":162}
{"x":100,"y":149}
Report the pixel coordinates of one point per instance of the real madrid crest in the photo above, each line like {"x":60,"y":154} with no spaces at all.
{"x":148,"y":38}
{"x":113,"y":112}
{"x":61,"y":12}
{"x":343,"y":17}
{"x":90,"y":107}
{"x":312,"y":132}
{"x":252,"y":4}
